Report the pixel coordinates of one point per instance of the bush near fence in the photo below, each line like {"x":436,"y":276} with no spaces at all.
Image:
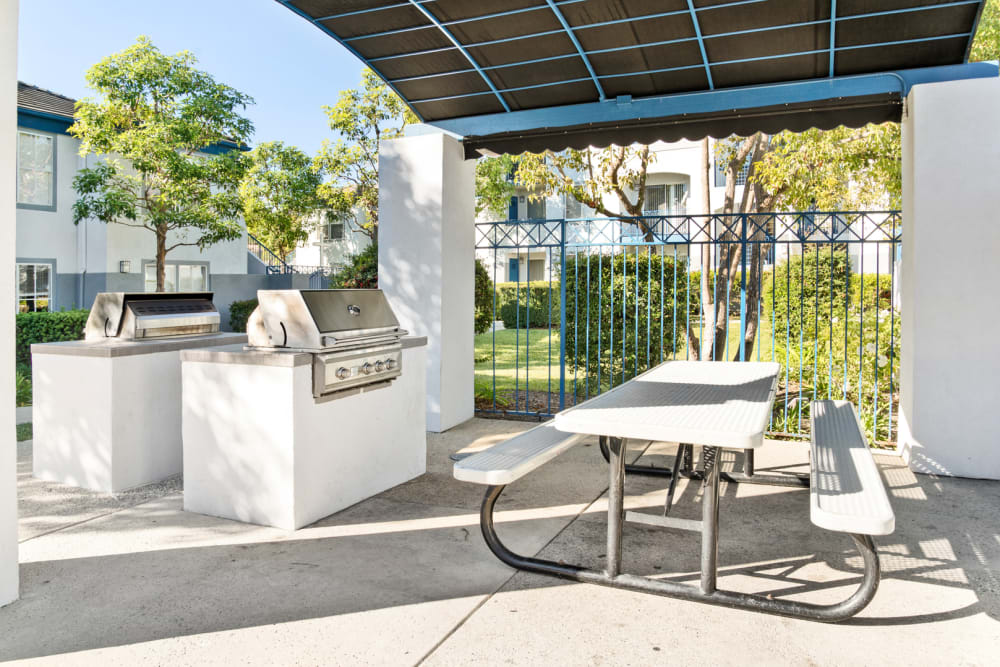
{"x":646,"y":281}
{"x":361,"y":271}
{"x":46,"y":328}
{"x":528,"y":305}
{"x":239,"y":313}
{"x":850,"y":338}
{"x":483,"y":299}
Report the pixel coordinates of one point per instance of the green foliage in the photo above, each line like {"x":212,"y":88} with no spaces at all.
{"x":839,"y":169}
{"x":484,"y":298}
{"x":485,"y":396}
{"x":239,"y":313}
{"x":495,"y":185}
{"x":22,"y":385}
{"x":361,"y":118}
{"x":986,"y":45}
{"x":850,"y":337}
{"x":360,"y":273}
{"x":24,"y":432}
{"x":526,"y":305}
{"x":595,"y":333}
{"x":279,"y":193}
{"x":806,"y":291}
{"x":46,"y":328}
{"x":153,"y":115}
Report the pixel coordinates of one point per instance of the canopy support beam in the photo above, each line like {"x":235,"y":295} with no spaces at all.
{"x":579,"y":48}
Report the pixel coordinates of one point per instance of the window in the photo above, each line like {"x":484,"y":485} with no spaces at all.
{"x":178,"y":277}
{"x":536,"y":208}
{"x":333,"y":230}
{"x":35,"y":169}
{"x":720,"y":169}
{"x":34,"y":287}
{"x":669,"y":199}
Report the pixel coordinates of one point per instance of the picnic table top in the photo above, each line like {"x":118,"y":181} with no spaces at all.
{"x":713,"y":404}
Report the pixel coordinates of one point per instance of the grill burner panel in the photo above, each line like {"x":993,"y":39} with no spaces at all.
{"x":140,"y":316}
{"x":353,"y":335}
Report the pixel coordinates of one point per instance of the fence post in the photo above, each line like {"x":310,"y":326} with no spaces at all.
{"x":562,"y":314}
{"x":743,"y":288}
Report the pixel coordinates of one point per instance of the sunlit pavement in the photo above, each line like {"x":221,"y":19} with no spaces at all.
{"x":405,"y":577}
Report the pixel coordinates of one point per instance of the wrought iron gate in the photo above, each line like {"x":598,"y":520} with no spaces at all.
{"x":581,"y":305}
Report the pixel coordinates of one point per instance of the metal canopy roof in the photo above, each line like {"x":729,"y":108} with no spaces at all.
{"x":512,"y":75}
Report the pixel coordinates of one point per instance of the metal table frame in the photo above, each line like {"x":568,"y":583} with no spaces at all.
{"x":706,"y":591}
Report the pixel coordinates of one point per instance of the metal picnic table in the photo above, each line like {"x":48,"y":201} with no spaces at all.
{"x":715,"y":406}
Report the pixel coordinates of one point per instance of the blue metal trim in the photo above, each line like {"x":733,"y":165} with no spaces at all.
{"x":468,"y":56}
{"x":701,"y":45}
{"x":332,"y":34}
{"x":44,"y":122}
{"x":833,"y":33}
{"x":579,"y":48}
{"x":470,"y":19}
{"x":730,"y":100}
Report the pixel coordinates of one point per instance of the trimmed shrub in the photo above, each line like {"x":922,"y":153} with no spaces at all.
{"x":22,"y":386}
{"x":616,"y":340}
{"x":47,"y":328}
{"x":360,"y":273}
{"x":528,"y":305}
{"x":807,"y":291}
{"x":239,"y":313}
{"x":484,"y":299}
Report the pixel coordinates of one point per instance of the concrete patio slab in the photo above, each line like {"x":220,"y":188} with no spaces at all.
{"x":405,"y":577}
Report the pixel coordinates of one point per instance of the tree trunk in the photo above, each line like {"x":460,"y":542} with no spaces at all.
{"x":703,"y":347}
{"x":161,"y":258}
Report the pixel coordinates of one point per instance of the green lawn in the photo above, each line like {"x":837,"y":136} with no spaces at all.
{"x":525,"y":355}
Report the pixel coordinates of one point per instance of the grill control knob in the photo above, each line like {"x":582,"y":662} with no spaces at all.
{"x":390,"y":364}
{"x":343,"y":373}
{"x":379,"y":366}
{"x":366,"y":368}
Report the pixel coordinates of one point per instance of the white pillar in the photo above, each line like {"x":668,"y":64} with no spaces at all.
{"x":949,"y":421}
{"x":426,"y":261}
{"x":8,"y":148}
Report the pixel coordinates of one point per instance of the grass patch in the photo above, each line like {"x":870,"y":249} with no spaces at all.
{"x":24,"y":432}
{"x":529,"y":358}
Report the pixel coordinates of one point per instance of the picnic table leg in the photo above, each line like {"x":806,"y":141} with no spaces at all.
{"x":616,"y":505}
{"x":710,"y":520}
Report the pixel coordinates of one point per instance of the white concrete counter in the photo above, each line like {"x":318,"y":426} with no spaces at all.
{"x":107,"y":415}
{"x":258,"y":447}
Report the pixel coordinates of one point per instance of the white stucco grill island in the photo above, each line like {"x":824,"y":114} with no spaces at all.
{"x":260,"y":448}
{"x":107,"y":413}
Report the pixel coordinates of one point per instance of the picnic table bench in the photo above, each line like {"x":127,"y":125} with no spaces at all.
{"x":711,"y":408}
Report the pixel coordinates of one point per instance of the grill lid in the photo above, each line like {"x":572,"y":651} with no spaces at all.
{"x":322,"y":319}
{"x":138,"y":315}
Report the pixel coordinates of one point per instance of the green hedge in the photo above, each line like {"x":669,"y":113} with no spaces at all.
{"x":360,"y":273}
{"x":647,"y":284}
{"x":239,"y":313}
{"x":47,"y":328}
{"x":524,"y":305}
{"x":484,"y":299}
{"x":807,"y":290}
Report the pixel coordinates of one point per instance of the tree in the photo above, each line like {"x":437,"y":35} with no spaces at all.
{"x":154,"y":117}
{"x":586,"y":175}
{"x":279,"y":192}
{"x":986,"y":44}
{"x":362,"y":117}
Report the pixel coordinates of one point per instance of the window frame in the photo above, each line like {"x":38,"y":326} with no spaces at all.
{"x":51,"y":266}
{"x":327,"y":238}
{"x":175,"y":264}
{"x":17,"y":170}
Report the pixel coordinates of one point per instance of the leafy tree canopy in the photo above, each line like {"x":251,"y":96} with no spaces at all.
{"x":986,"y":44}
{"x":361,"y":117}
{"x":153,"y":116}
{"x":279,"y":191}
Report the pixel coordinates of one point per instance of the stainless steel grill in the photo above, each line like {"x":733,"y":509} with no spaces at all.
{"x":353,"y":335}
{"x":146,"y":315}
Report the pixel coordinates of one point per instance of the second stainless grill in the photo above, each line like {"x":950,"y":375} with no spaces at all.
{"x":353,"y":335}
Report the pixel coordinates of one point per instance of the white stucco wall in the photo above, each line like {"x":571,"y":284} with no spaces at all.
{"x":8,"y":452}
{"x":426,"y":246}
{"x":318,"y":251}
{"x":949,"y":421}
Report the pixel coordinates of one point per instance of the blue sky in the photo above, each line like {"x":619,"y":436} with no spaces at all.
{"x":257,"y":46}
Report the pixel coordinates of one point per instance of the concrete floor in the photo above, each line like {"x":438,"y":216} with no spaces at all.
{"x":405,"y":577}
